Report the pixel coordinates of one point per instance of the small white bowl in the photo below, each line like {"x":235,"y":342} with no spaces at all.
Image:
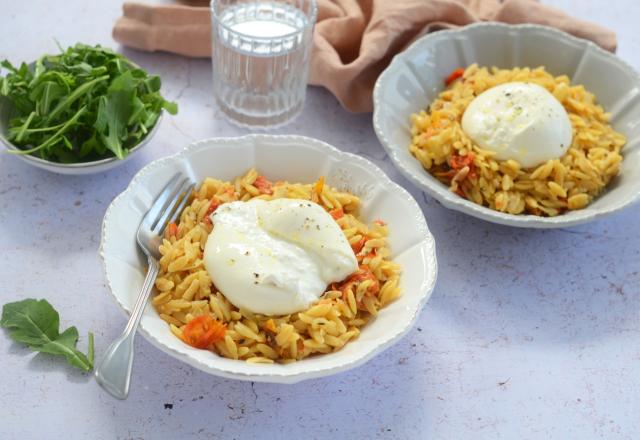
{"x":296,"y":159}
{"x":77,"y":168}
{"x":415,"y":77}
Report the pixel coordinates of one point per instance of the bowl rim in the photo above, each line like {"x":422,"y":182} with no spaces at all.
{"x":38,"y":161}
{"x":427,"y":242}
{"x":457,"y":203}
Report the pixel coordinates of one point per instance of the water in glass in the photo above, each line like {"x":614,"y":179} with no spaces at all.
{"x":260,"y":58}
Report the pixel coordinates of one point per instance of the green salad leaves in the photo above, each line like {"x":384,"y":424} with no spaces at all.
{"x":84,"y":104}
{"x":36,"y":324}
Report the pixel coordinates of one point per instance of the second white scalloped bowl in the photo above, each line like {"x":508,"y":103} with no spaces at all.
{"x":296,"y":159}
{"x":415,"y":77}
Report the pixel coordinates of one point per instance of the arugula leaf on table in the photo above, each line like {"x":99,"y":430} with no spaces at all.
{"x":36,"y":324}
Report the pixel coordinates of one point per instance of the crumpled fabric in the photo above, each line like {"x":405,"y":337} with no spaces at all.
{"x":354,"y":40}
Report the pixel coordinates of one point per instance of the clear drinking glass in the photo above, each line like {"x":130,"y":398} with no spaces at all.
{"x":260,"y":59}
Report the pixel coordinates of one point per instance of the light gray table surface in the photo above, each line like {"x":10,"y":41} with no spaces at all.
{"x":529,"y":334}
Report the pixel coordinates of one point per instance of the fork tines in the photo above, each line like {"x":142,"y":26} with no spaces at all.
{"x":169,"y":204}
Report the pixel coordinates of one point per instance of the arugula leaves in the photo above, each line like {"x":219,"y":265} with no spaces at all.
{"x":84,"y":104}
{"x":36,"y":324}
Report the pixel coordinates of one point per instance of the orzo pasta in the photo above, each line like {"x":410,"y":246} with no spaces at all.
{"x":569,"y":182}
{"x":185,"y":292}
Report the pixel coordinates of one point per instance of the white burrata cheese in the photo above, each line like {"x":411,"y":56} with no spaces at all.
{"x":276,"y":257}
{"x":519,"y":121}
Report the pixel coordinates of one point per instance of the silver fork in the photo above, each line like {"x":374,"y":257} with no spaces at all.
{"x":114,"y":371}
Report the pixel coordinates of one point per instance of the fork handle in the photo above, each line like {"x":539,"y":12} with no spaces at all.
{"x":114,"y":371}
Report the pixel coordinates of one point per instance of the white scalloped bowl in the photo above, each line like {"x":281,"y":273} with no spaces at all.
{"x":415,"y":77}
{"x":296,"y":159}
{"x":76,"y":168}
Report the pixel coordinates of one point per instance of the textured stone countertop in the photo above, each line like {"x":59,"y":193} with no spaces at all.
{"x":529,"y":334}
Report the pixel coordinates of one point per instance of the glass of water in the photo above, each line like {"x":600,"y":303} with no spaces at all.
{"x":261,"y":52}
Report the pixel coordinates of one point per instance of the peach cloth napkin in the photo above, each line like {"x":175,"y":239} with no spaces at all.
{"x":354,"y":40}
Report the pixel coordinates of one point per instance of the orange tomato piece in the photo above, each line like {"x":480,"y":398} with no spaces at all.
{"x":336,"y":213}
{"x":454,"y":76}
{"x":458,"y":162}
{"x":202,"y":331}
{"x":358,"y":245}
{"x":213,"y":205}
{"x":172,"y":229}
{"x":263,"y":185}
{"x":363,"y":274}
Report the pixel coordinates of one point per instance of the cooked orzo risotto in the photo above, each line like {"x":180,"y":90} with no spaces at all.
{"x":203,"y":317}
{"x":547,"y":189}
